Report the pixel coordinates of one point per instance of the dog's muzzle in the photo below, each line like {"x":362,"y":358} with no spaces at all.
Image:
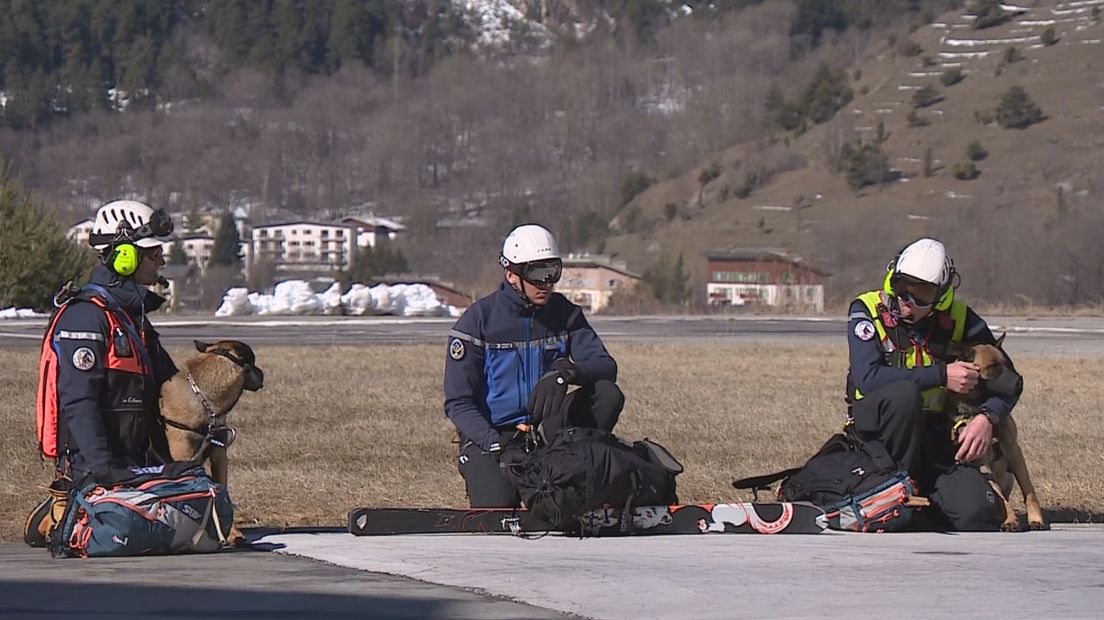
{"x":254,"y":378}
{"x":1008,"y":383}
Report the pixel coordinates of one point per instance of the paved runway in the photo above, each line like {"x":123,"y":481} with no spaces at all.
{"x":1080,"y":336}
{"x":1056,"y":574}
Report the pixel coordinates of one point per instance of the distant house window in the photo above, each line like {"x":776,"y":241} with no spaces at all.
{"x":341,"y":234}
{"x":325,"y":233}
{"x":612,"y":283}
{"x":740,"y":276}
{"x":309,"y":244}
{"x":264,"y":233}
{"x":787,"y":277}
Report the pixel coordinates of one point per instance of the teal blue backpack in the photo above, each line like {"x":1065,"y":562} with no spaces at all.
{"x":176,"y":508}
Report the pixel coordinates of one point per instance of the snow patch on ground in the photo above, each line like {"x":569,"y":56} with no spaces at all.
{"x":295,"y":297}
{"x":20,"y":313}
{"x":979,"y":42}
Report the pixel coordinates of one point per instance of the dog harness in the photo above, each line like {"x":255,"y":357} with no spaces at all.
{"x":215,"y":432}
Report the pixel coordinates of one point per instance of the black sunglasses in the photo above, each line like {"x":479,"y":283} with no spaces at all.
{"x":911,"y":297}
{"x":544,"y":272}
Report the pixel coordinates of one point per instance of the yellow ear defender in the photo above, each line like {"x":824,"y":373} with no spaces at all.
{"x":124,"y":259}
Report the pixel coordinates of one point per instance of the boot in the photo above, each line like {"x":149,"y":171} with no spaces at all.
{"x":47,"y":515}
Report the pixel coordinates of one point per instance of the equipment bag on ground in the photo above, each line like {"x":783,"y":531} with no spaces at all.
{"x":856,"y":482}
{"x":178,"y":510}
{"x":585,"y":468}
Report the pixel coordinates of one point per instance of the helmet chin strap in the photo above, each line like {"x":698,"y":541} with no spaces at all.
{"x":519,"y":288}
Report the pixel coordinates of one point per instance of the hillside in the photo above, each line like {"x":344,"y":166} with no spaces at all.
{"x":1026,"y":228}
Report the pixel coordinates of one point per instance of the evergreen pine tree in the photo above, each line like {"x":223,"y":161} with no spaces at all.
{"x":227,"y":242}
{"x":177,"y":256}
{"x":35,"y":257}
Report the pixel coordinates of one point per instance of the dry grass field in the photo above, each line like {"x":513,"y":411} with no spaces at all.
{"x":342,"y":427}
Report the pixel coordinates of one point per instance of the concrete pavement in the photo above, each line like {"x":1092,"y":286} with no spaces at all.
{"x":1056,"y":574}
{"x":226,"y":585}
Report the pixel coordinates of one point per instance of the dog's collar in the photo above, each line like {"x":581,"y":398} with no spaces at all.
{"x":207,"y":408}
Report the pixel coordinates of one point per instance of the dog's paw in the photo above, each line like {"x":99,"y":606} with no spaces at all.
{"x":1011,"y":526}
{"x":1038,"y":526}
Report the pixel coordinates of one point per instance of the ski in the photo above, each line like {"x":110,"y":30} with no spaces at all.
{"x":742,"y":518}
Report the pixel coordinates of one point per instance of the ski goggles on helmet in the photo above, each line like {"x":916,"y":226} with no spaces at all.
{"x":915,"y":292}
{"x":540,"y":272}
{"x":160,"y":224}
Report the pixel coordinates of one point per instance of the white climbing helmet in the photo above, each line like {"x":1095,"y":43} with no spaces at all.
{"x":157,"y":224}
{"x":926,"y":260}
{"x":528,"y":243}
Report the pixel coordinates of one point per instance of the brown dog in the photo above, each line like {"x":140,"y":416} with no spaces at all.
{"x":196,"y":400}
{"x":1004,"y":461}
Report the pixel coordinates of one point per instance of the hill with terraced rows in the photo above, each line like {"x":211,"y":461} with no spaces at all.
{"x":1026,"y":227}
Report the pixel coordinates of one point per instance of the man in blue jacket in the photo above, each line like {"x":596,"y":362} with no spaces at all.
{"x":899,"y":378}
{"x":512,"y":356}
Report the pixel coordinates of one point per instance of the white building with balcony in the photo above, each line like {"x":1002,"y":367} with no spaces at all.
{"x":304,"y":246}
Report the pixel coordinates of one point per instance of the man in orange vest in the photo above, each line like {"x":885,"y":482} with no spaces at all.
{"x":899,"y":376}
{"x":102,"y":364}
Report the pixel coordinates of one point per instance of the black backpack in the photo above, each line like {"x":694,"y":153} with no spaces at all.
{"x":581,"y":469}
{"x":856,"y":482}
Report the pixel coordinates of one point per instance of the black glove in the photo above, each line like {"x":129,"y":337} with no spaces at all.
{"x":547,"y":396}
{"x":567,"y":370}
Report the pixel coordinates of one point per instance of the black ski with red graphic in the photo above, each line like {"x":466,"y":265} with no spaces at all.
{"x":743,"y":518}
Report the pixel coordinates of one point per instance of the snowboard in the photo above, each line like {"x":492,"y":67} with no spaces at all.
{"x":742,"y":518}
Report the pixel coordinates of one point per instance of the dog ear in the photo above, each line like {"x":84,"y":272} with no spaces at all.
{"x":1000,"y":341}
{"x":201,"y":346}
{"x":960,"y":351}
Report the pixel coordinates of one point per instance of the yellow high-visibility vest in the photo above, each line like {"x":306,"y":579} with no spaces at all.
{"x":934,"y":398}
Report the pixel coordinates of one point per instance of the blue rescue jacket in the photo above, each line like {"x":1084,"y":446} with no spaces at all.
{"x":499,"y":349}
{"x":101,"y":439}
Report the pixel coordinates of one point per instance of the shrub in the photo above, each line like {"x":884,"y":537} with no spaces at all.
{"x":952,"y":76}
{"x":1017,"y":109}
{"x":909,"y":48}
{"x":1049,"y":37}
{"x":988,"y":14}
{"x":710,"y":172}
{"x":867,"y":165}
{"x":929,"y":163}
{"x":856,"y":75}
{"x":926,"y":96}
{"x":915,"y":119}
{"x":1012,"y":55}
{"x":927,"y":61}
{"x":983,"y":117}
{"x":966,"y":171}
{"x":976,"y":152}
{"x":634,"y":185}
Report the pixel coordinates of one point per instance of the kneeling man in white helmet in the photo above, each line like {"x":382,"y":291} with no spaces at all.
{"x":900,"y":375}
{"x":511,"y":359}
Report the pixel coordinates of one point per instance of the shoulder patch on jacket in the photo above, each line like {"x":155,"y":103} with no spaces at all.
{"x":84,"y":358}
{"x":864,"y":330}
{"x":456,"y":349}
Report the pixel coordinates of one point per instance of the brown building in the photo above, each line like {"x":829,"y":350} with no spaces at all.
{"x":763,"y":276}
{"x":589,"y":280}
